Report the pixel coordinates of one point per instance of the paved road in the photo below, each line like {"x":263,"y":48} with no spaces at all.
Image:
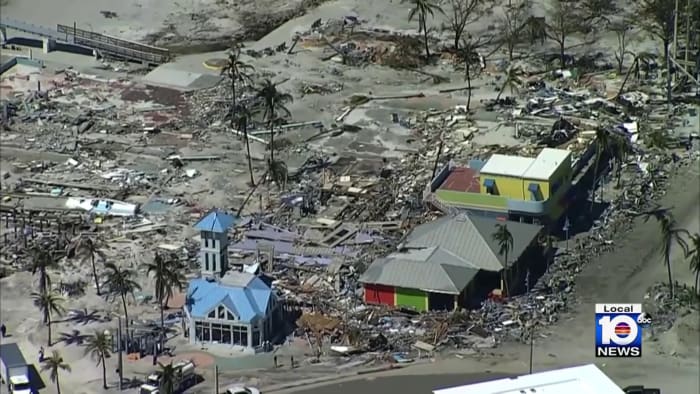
{"x":415,"y":384}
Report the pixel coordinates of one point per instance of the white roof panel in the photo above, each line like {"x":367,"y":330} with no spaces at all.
{"x":585,"y":379}
{"x":546,"y":163}
{"x":506,"y":165}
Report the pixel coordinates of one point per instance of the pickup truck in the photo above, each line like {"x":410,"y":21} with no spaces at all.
{"x":14,"y":369}
{"x":187,"y":376}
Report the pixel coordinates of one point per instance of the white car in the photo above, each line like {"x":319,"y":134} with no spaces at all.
{"x":242,"y":390}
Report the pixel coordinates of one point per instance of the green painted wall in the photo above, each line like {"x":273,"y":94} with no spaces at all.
{"x":472,"y":199}
{"x":412,"y":298}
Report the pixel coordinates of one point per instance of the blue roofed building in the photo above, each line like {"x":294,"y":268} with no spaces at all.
{"x":213,"y":228}
{"x":238,"y":309}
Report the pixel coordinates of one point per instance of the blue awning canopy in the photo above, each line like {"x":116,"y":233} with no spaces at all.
{"x":533,"y":187}
{"x":489,"y":183}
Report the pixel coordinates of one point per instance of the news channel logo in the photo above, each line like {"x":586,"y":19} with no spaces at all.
{"x":618,"y":330}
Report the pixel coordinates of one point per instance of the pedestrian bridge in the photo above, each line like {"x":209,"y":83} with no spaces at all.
{"x":105,"y":45}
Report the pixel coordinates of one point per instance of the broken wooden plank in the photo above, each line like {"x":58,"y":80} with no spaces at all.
{"x":343,"y":232}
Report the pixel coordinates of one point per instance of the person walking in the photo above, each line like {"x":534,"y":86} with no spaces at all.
{"x":3,"y":330}
{"x":274,"y":359}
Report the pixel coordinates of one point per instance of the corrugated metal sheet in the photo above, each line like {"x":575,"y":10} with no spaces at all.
{"x":470,"y":238}
{"x":430,"y":269}
{"x":216,"y":221}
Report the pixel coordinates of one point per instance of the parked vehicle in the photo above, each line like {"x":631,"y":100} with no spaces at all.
{"x":187,"y":377}
{"x":14,"y":369}
{"x":239,"y":389}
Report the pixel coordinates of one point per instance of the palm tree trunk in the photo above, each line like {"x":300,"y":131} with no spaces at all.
{"x":42,"y":280}
{"x":48,"y":324}
{"x":425,"y":38}
{"x":126,"y":316}
{"x":667,"y":58}
{"x":469,"y":83}
{"x":104,"y":373}
{"x":595,"y":174}
{"x":247,"y":149}
{"x":94,"y":273}
{"x":233,"y":102}
{"x":670,"y":275}
{"x":250,"y":194}
{"x":272,"y":137}
{"x":58,"y":384}
{"x":162,"y":325}
{"x":505,"y":276}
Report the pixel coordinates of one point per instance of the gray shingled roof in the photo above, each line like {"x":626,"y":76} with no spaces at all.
{"x":470,"y":238}
{"x":430,"y":269}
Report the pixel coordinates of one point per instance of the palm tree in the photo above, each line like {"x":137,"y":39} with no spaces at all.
{"x":670,"y":234}
{"x":167,"y":271}
{"x":694,"y":255}
{"x":89,"y":247}
{"x":236,"y":71}
{"x":274,"y":103}
{"x":54,"y":364}
{"x":505,"y":244}
{"x":120,"y":283}
{"x":98,"y":346}
{"x":49,"y":303}
{"x":423,"y":8}
{"x":169,"y":376}
{"x":602,"y":148}
{"x":243,"y":116}
{"x":512,"y":81}
{"x":42,"y":259}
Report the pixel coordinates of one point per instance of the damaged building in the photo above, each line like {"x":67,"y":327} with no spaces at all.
{"x":450,"y":262}
{"x":518,"y":188}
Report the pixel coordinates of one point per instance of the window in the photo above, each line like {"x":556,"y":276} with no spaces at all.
{"x":206,"y":261}
{"x":216,"y":332}
{"x":212,"y":314}
{"x":229,"y":316}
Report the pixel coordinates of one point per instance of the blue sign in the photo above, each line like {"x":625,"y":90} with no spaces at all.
{"x":618,"y":330}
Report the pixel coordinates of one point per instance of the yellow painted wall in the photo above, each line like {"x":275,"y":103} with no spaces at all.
{"x":562,"y":174}
{"x":506,"y":186}
{"x":544,"y":189}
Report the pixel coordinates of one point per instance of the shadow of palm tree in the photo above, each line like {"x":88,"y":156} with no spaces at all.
{"x":84,"y":317}
{"x":73,"y":338}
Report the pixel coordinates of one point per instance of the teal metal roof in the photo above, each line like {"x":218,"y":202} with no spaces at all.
{"x":216,"y":221}
{"x":247,"y":299}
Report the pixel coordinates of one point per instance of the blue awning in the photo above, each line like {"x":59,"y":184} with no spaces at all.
{"x":533,"y":187}
{"x":489,"y":183}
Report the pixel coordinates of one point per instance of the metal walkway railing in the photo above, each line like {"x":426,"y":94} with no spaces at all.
{"x":24,"y":27}
{"x":118,"y":47}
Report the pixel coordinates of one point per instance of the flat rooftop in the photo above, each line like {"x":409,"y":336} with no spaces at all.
{"x":546,"y":163}
{"x":540,"y":168}
{"x":506,"y":165}
{"x":585,"y":379}
{"x":462,"y":179}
